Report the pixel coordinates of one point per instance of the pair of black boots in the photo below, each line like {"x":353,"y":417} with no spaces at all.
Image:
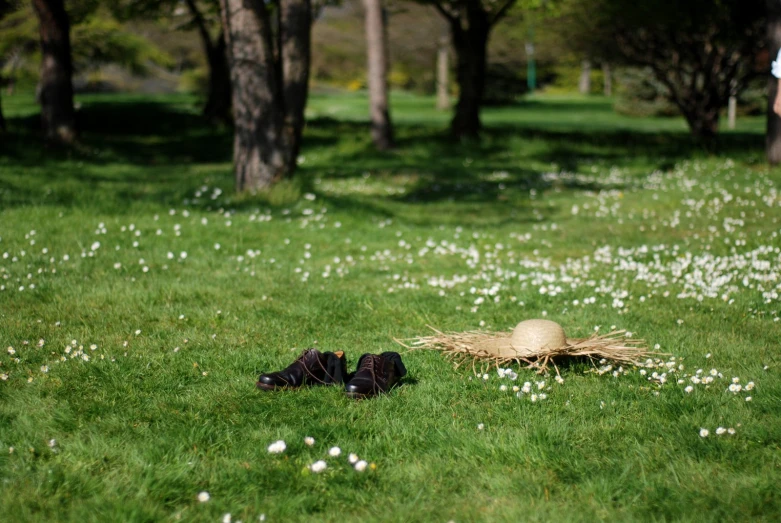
{"x":375,"y":374}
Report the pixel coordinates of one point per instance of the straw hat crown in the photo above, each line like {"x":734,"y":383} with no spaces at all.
{"x":538,"y":335}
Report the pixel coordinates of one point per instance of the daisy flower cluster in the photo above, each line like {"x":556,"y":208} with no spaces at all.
{"x":360,"y":465}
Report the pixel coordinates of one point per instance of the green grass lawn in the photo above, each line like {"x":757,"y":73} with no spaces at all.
{"x":140,"y":298}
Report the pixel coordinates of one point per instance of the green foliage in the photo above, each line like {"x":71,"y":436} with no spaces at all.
{"x":141,"y":428}
{"x":639,"y":93}
{"x":100,"y":40}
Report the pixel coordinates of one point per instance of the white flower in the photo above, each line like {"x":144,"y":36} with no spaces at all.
{"x":44,"y":368}
{"x":534,"y":398}
{"x":503,"y":388}
{"x":170,"y":255}
{"x":226,"y":518}
{"x":480,"y":426}
{"x":203,"y":497}
{"x":277,"y":447}
{"x":217,"y":246}
{"x":704,"y":433}
{"x":309,"y":440}
{"x":720,"y":431}
{"x":318,"y":466}
{"x":559,"y":380}
{"x":52,"y":443}
{"x":749,"y":385}
{"x":689,"y":389}
{"x":731,"y":430}
{"x":748,"y":398}
{"x":183,"y":255}
{"x":334,"y":451}
{"x":352,"y":458}
{"x":361,"y":466}
{"x":735,"y":380}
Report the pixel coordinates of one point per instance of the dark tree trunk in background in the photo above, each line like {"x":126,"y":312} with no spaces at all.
{"x":218,"y":99}
{"x":377,"y":56}
{"x":2,"y":118}
{"x":258,"y":158}
{"x":56,"y":87}
{"x":773,"y":136}
{"x":296,"y":50}
{"x":703,"y":120}
{"x":269,"y":83}
{"x":471,"y":45}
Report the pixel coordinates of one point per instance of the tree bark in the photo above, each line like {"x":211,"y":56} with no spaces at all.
{"x":377,"y":56}
{"x":773,"y":134}
{"x":471,"y":44}
{"x":56,"y":87}
{"x":296,"y":51}
{"x":258,"y":155}
{"x":608,"y":79}
{"x":584,"y":84}
{"x":443,"y":97}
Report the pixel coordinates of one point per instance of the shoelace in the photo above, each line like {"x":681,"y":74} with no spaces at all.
{"x":306,"y":370}
{"x":369,"y":364}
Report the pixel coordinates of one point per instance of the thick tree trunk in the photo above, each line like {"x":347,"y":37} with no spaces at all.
{"x":584,"y":84}
{"x":218,"y":101}
{"x":443,"y":96}
{"x":296,"y":50}
{"x":377,"y":55}
{"x":56,"y":87}
{"x":608,"y":79}
{"x":471,"y":45}
{"x":258,"y":114}
{"x":773,"y":135}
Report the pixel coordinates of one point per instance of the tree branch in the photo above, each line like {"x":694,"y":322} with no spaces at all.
{"x":502,"y":12}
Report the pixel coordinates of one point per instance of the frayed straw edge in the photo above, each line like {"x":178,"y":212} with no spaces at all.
{"x":460,"y":348}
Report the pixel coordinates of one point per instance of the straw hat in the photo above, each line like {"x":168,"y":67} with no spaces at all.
{"x":534,"y":342}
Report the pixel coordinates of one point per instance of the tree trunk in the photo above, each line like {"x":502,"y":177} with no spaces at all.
{"x":218,"y":98}
{"x":377,"y":55}
{"x":608,"y":79}
{"x":296,"y":50}
{"x":471,"y":45}
{"x":2,"y":118}
{"x":703,"y":122}
{"x":584,"y":84}
{"x":56,"y":87}
{"x":258,"y":114}
{"x":773,"y":135}
{"x":218,"y":101}
{"x":443,"y":97}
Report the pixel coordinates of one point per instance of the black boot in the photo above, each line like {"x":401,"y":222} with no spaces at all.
{"x":311,"y":368}
{"x":376,"y":374}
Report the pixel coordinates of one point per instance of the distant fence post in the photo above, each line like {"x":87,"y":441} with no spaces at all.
{"x":443,"y":98}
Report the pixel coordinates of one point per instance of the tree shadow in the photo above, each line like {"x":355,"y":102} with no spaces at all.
{"x":161,"y":152}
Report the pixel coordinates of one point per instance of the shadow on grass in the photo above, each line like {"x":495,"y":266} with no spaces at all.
{"x":133,"y":151}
